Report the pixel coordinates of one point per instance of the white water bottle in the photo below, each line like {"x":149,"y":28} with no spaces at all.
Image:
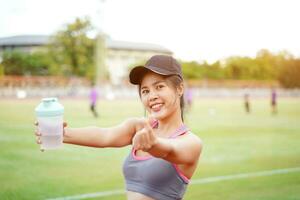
{"x":50,"y":123}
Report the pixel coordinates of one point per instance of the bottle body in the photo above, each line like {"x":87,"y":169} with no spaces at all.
{"x":52,"y":131}
{"x":50,"y":123}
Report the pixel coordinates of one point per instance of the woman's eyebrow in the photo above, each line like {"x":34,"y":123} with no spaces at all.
{"x":144,"y":87}
{"x":155,"y":83}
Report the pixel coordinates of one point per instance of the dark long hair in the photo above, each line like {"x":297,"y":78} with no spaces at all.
{"x":174,"y":82}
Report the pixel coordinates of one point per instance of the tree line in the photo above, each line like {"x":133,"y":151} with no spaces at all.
{"x":283,"y":67}
{"x":71,"y":52}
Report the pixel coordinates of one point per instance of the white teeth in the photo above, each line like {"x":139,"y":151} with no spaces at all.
{"x":156,"y":105}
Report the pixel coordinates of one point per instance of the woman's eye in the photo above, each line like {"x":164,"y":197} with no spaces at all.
{"x":145,"y":91}
{"x":159,"y":86}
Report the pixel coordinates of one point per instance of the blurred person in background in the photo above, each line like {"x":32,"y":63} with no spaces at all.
{"x":93,"y":100}
{"x":247,"y":102}
{"x":164,"y":153}
{"x":189,"y":98}
{"x":273,"y":101}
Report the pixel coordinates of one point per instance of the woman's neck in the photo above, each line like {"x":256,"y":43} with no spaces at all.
{"x":170,"y":124}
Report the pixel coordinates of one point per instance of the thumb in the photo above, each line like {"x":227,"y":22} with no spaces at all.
{"x":152,"y":121}
{"x":146,"y":124}
{"x":65,"y":124}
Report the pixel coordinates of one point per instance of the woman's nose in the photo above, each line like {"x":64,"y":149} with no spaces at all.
{"x":153,"y":96}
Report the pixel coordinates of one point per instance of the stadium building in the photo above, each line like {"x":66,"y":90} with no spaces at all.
{"x":118,"y":57}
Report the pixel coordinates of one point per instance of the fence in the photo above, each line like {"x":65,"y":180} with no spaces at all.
{"x":37,"y":87}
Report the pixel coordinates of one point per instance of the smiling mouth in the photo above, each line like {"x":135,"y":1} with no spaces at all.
{"x":156,"y":107}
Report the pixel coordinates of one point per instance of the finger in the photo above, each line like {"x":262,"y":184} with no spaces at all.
{"x":146,"y":137}
{"x":148,"y":128}
{"x":147,"y":143}
{"x":152,"y":137}
{"x":135,"y":141}
{"x":146,"y":124}
{"x":152,"y":121}
{"x":37,"y":133}
{"x":38,"y":140}
{"x":136,"y":145}
{"x":143,"y":140}
{"x":65,"y":124}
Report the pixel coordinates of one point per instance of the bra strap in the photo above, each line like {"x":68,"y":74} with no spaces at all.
{"x":183,"y":129}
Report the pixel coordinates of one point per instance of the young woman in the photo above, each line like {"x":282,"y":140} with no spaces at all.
{"x":164,"y":151}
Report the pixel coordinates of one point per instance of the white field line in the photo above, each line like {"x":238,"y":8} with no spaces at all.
{"x":194,"y":182}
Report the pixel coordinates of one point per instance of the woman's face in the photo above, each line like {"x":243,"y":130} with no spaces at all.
{"x":158,"y":97}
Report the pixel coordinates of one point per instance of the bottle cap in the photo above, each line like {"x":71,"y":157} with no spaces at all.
{"x":49,"y":107}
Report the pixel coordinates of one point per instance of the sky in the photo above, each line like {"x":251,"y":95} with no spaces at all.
{"x":192,"y":29}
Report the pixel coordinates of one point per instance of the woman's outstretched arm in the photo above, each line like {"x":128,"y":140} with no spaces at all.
{"x":116,"y":136}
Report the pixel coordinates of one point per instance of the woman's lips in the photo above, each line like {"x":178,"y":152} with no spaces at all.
{"x":156,"y":107}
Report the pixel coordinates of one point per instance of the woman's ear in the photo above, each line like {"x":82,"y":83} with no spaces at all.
{"x":180,"y":89}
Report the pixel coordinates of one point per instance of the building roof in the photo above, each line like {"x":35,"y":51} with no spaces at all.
{"x":39,"y":40}
{"x":116,"y":44}
{"x":24,"y":40}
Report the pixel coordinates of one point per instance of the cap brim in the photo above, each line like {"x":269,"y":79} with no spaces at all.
{"x":137,"y":73}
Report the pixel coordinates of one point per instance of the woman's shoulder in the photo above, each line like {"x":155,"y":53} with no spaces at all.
{"x":192,"y":143}
{"x":193,"y":139}
{"x":134,"y":122}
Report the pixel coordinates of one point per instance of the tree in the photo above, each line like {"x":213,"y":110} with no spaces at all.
{"x":289,"y":75}
{"x":72,"y":51}
{"x":1,"y":70}
{"x":21,"y":63}
{"x":195,"y":70}
{"x":191,"y":70}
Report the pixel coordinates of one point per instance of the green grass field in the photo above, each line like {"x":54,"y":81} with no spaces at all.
{"x":234,"y":143}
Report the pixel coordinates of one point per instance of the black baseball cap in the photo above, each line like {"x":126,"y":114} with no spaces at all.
{"x":160,"y":64}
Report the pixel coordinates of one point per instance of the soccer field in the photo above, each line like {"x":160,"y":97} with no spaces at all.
{"x":234,"y":143}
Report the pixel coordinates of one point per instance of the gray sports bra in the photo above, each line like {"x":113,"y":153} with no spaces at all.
{"x":155,"y":177}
